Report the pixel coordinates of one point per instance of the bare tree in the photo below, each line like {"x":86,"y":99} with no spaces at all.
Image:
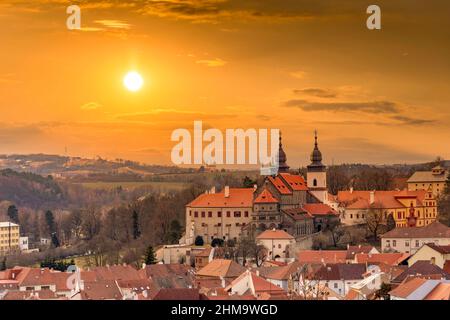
{"x":306,"y":286}
{"x":374,"y":221}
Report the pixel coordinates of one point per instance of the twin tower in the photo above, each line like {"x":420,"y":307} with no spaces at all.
{"x":316,"y":171}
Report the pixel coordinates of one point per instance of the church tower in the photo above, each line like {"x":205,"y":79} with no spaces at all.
{"x":317,"y":174}
{"x":282,"y":165}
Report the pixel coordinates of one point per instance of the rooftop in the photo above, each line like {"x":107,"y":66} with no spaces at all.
{"x":238,"y":197}
{"x":433,"y":230}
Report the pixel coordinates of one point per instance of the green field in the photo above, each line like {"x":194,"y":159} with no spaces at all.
{"x":161,"y":186}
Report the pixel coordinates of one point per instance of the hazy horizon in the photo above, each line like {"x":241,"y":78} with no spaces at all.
{"x":376,"y":97}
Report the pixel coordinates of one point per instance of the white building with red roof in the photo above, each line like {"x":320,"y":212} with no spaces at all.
{"x":277,"y":243}
{"x":219,"y":215}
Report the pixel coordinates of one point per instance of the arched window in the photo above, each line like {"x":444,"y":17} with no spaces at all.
{"x":315,"y":182}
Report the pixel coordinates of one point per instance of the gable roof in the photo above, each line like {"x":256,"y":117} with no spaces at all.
{"x":294,"y":181}
{"x":281,"y":273}
{"x":319,"y":209}
{"x":440,"y":249}
{"x":392,"y":259}
{"x":170,"y":275}
{"x":440,"y":292}
{"x":322,"y":256}
{"x":405,"y":289}
{"x":427,"y":176}
{"x":422,"y":268}
{"x":340,"y":271}
{"x":238,"y":197}
{"x":297,"y":214}
{"x":353,"y":250}
{"x":177,"y":294}
{"x":221,"y":268}
{"x":265,"y":197}
{"x":274,"y":234}
{"x":278,"y":183}
{"x":382,"y":199}
{"x":433,"y":230}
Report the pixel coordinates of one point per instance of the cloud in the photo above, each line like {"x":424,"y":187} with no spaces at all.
{"x":114,"y":24}
{"x":298,"y":74}
{"x":91,"y":106}
{"x":316,"y":92}
{"x":213,"y":63}
{"x":173,"y":115}
{"x":374,"y":107}
{"x":366,"y":151}
{"x":412,"y":121}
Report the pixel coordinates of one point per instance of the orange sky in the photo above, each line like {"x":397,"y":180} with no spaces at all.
{"x":375,"y":96}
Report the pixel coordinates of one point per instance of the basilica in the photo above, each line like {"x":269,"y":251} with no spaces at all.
{"x":285,"y":201}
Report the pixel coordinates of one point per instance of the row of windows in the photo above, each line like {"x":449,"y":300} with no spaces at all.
{"x":6,"y":229}
{"x":7,"y":241}
{"x":6,"y":235}
{"x":237,"y":224}
{"x":236,"y":214}
{"x":407,"y":243}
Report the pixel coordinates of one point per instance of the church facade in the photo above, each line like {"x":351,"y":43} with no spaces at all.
{"x":289,"y":202}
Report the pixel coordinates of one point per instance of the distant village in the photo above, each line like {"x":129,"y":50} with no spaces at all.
{"x":273,"y":241}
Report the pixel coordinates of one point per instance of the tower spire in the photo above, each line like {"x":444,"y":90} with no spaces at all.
{"x":282,"y":165}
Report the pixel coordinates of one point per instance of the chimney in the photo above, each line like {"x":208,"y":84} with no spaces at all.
{"x":372,"y":197}
{"x":222,"y":280}
{"x":227,"y":191}
{"x":257,"y":273}
{"x":351,"y":189}
{"x":255,"y":186}
{"x":213,"y":190}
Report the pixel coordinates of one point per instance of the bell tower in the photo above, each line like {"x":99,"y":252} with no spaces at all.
{"x":317,"y":174}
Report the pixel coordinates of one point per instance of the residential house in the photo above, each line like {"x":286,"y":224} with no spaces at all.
{"x":338,"y":277}
{"x":404,"y":207}
{"x":409,"y":240}
{"x":251,"y":283}
{"x":433,"y":180}
{"x":219,"y":215}
{"x":438,"y":255}
{"x":423,"y":269}
{"x":277,"y":243}
{"x":9,"y":237}
{"x":418,"y":288}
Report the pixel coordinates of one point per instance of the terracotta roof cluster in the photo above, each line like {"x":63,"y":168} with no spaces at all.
{"x":177,"y":294}
{"x":433,"y":230}
{"x":238,"y":197}
{"x":257,"y":285}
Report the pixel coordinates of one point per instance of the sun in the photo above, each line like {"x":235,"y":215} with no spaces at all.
{"x":133,"y":81}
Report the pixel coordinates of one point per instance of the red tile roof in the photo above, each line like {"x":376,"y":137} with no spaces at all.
{"x":392,"y":259}
{"x":280,"y":185}
{"x":238,"y":197}
{"x":265,"y":197}
{"x":319,"y":209}
{"x":274,"y":234}
{"x":340,"y":271}
{"x":322,"y":256}
{"x":433,"y":230}
{"x":405,"y":289}
{"x":296,"y":182}
{"x":382,"y":199}
{"x":177,"y":294}
{"x":221,"y":268}
{"x":440,"y":249}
